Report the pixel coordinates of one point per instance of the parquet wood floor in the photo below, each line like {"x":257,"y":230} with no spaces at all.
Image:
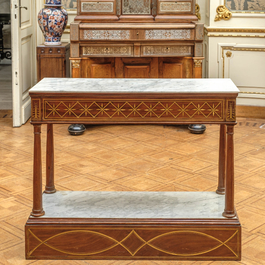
{"x":133,"y":158}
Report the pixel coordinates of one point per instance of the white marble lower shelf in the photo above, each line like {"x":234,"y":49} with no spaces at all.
{"x":87,"y":204}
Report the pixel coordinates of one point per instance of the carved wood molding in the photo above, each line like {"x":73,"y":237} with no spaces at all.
{"x":222,"y":13}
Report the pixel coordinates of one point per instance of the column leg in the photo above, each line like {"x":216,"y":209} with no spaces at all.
{"x":37,"y":174}
{"x":50,"y":188}
{"x":229,"y":211}
{"x":222,"y":159}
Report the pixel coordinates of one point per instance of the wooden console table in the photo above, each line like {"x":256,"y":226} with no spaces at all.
{"x":134,"y":225}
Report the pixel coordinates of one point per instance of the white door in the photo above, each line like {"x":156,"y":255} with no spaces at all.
{"x":23,"y":23}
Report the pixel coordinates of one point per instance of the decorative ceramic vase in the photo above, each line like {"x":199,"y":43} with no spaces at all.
{"x":52,"y":20}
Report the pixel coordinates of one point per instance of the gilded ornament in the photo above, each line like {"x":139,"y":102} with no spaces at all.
{"x":197,"y":11}
{"x":198,"y":63}
{"x":76,"y":63}
{"x":228,"y":54}
{"x":222,"y":13}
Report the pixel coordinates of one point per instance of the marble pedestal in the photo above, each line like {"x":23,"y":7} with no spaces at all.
{"x":133,"y":225}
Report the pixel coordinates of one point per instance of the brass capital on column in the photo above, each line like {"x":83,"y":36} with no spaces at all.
{"x":222,"y":13}
{"x":76,"y":63}
{"x":197,"y":63}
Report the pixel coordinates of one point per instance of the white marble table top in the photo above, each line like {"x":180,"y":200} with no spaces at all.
{"x":95,"y":204}
{"x":96,"y":85}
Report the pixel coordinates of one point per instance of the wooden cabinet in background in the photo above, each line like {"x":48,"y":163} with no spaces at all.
{"x":136,"y":39}
{"x":53,"y":61}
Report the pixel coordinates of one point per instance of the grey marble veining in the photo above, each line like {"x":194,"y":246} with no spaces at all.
{"x":87,"y":204}
{"x":88,"y":85}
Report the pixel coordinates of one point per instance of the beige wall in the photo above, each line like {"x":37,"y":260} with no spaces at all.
{"x":235,"y":49}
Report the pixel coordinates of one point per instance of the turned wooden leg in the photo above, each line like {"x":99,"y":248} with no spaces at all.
{"x":37,"y":174}
{"x":50,"y":188}
{"x":222,"y":159}
{"x":229,"y":211}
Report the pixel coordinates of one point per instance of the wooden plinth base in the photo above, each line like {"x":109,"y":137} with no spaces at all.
{"x":133,"y":239}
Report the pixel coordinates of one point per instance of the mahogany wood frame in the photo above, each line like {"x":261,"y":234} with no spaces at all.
{"x":226,"y":152}
{"x":37,"y":228}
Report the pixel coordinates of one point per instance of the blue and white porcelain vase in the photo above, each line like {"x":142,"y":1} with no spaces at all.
{"x":52,"y":20}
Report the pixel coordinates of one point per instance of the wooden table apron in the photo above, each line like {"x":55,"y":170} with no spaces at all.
{"x":134,"y":108}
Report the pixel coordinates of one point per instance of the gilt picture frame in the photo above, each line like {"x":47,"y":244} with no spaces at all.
{"x":245,"y":6}
{"x":70,"y":5}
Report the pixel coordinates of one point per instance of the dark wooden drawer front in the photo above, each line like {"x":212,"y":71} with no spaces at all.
{"x":53,"y":50}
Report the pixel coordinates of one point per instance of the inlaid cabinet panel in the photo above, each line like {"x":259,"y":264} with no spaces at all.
{"x":166,"y":50}
{"x":172,"y":70}
{"x":175,"y":7}
{"x":98,"y":68}
{"x":136,"y":7}
{"x":152,"y":67}
{"x":137,"y":71}
{"x":175,"y":67}
{"x":98,"y":7}
{"x":136,"y":67}
{"x":107,"y":50}
{"x":102,"y":70}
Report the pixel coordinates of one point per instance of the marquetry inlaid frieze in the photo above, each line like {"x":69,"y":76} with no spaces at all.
{"x":99,"y":7}
{"x":231,"y":110}
{"x":133,"y":109}
{"x":167,"y":34}
{"x":174,"y":7}
{"x":35,"y":109}
{"x":108,"y":50}
{"x":143,"y":242}
{"x":106,"y":34}
{"x":136,"y":7}
{"x":167,"y":50}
